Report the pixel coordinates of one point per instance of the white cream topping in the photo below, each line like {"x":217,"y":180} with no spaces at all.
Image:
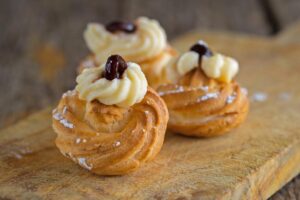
{"x":187,"y":62}
{"x":148,"y":41}
{"x":124,"y":92}
{"x":218,"y":66}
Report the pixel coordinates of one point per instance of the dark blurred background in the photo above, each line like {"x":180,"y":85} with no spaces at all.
{"x":41,"y":41}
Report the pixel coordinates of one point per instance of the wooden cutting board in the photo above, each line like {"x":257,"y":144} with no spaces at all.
{"x":252,"y":162}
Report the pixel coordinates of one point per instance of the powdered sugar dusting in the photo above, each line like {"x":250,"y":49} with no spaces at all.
{"x":204,"y":88}
{"x":78,"y":140}
{"x":180,"y":89}
{"x":259,"y":97}
{"x":231,"y":98}
{"x":117,"y":143}
{"x":82,"y":162}
{"x":208,"y":96}
{"x":57,"y":116}
{"x":65,"y":109}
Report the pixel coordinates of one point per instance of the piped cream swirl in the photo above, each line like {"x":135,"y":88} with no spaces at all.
{"x":187,"y":62}
{"x":218,"y":66}
{"x":124,"y":92}
{"x":148,"y":41}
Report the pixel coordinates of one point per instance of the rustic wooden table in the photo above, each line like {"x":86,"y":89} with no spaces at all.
{"x":41,"y":41}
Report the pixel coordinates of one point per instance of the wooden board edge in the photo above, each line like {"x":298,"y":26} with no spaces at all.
{"x":281,"y":169}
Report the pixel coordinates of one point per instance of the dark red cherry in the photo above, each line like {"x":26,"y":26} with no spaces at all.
{"x":117,"y":26}
{"x":202,"y":49}
{"x":114,"y":67}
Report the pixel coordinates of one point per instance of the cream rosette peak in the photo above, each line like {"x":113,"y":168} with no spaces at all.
{"x":146,"y":41}
{"x":123,"y":91}
{"x":216,"y":66}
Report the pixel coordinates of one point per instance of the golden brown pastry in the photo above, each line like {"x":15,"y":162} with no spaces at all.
{"x":112,"y":122}
{"x":204,"y":100}
{"x":143,"y":42}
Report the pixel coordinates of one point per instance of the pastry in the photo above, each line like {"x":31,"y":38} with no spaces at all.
{"x":204,"y":100}
{"x":143,"y":42}
{"x":112,"y":122}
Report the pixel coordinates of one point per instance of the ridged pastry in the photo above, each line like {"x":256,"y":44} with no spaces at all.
{"x":110,"y":139}
{"x":200,"y":105}
{"x":144,"y":42}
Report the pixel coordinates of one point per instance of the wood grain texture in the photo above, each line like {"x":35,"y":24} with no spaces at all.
{"x":252,"y":162}
{"x":32,"y":32}
{"x":292,"y":190}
